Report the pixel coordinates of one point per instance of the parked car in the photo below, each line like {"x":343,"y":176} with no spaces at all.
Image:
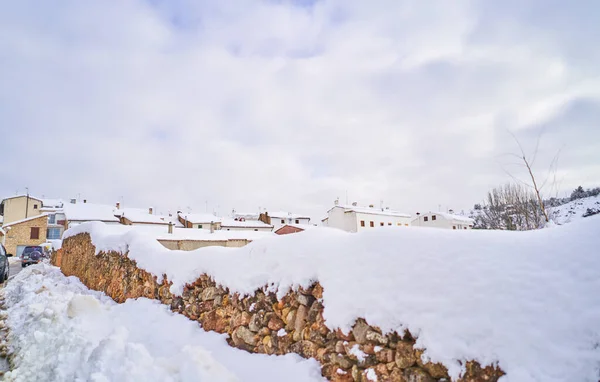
{"x":32,"y":255}
{"x":4,"y":266}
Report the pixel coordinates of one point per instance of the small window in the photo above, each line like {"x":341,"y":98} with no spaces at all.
{"x":282,"y":221}
{"x":362,"y":223}
{"x":199,"y":226}
{"x":297,"y":221}
{"x":406,"y":225}
{"x":256,"y":229}
{"x":35,"y":206}
{"x":381,"y":224}
{"x":35,"y":233}
{"x":399,"y":224}
{"x":53,"y":233}
{"x":465,"y":227}
{"x":389,"y":223}
{"x":51,"y":219}
{"x":433,"y":217}
{"x":425,"y":219}
{"x":453,"y":227}
{"x":372,"y":224}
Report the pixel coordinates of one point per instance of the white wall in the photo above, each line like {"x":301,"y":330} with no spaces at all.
{"x":276,"y":221}
{"x":441,"y":221}
{"x":394,"y":221}
{"x":344,"y":221}
{"x":258,"y":229}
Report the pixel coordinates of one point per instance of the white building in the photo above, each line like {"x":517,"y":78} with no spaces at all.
{"x":281,"y":218}
{"x":199,"y":221}
{"x":76,"y":213}
{"x":241,"y":224}
{"x":354,"y":218}
{"x":443,"y":220}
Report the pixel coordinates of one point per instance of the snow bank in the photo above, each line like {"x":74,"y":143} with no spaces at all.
{"x":528,"y":300}
{"x":574,"y":210}
{"x":61,"y":331}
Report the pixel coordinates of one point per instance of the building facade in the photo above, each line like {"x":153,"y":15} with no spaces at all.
{"x":443,"y":220}
{"x":20,"y":207}
{"x":354,"y":218}
{"x":25,"y":232}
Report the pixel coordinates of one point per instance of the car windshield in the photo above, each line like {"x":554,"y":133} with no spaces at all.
{"x":32,"y":249}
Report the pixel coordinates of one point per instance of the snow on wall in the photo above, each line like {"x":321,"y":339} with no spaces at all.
{"x":527,"y":300}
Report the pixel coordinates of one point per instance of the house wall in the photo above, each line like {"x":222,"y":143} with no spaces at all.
{"x":190,"y":245}
{"x":395,"y":221}
{"x":337,"y":218}
{"x":440,"y":222}
{"x":14,"y":208}
{"x":257,"y":229}
{"x":276,"y":222}
{"x":19,"y":234}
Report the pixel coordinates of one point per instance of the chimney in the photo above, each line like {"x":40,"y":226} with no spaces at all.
{"x":73,"y":201}
{"x":118,"y":205}
{"x":418,"y":213}
{"x":451,"y":211}
{"x":336,"y":202}
{"x":354,"y":204}
{"x":150,"y":210}
{"x":170,"y":228}
{"x":212,"y":227}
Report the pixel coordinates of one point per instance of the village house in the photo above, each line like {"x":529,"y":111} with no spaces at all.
{"x":354,"y":218}
{"x":241,"y":224}
{"x":443,"y":220}
{"x":19,"y":207}
{"x":25,"y":232}
{"x":140,"y":216}
{"x":199,"y":221}
{"x":279,"y":219}
{"x":80,"y":212}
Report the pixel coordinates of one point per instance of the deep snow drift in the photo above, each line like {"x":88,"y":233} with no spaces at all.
{"x":527,"y":300}
{"x":62,"y":331}
{"x":574,"y":210}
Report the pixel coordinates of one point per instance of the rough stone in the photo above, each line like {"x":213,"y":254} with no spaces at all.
{"x":360,"y":331}
{"x":405,"y":355}
{"x":414,"y":374}
{"x":246,"y":335}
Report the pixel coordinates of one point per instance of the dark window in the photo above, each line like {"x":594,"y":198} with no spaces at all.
{"x":35,"y":233}
{"x":433,"y":217}
{"x":35,"y":206}
{"x":199,"y":226}
{"x":381,"y":224}
{"x":453,"y":227}
{"x":389,"y":223}
{"x":256,"y":229}
{"x":362,"y":223}
{"x":372,"y":224}
{"x":282,"y":221}
{"x":297,"y":221}
{"x":465,"y":227}
{"x":425,"y":218}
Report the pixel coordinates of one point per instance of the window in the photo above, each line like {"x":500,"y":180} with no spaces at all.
{"x":53,"y":233}
{"x":433,"y":217}
{"x":399,"y":224}
{"x":35,"y":206}
{"x":425,"y":219}
{"x":51,"y":219}
{"x":389,"y":223}
{"x":282,"y":221}
{"x":35,"y":233}
{"x":465,"y":227}
{"x":372,"y":224}
{"x":381,"y":224}
{"x":406,"y":225}
{"x":256,"y":229}
{"x":297,"y":221}
{"x":453,"y":227}
{"x":362,"y":223}
{"x":199,"y":226}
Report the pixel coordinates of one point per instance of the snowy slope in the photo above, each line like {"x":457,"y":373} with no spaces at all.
{"x":61,"y":331}
{"x":528,"y":300}
{"x":574,"y":210}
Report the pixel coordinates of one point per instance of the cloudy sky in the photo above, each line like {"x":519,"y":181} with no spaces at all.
{"x":290,"y":104}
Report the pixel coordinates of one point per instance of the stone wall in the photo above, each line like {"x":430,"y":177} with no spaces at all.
{"x":263,"y":324}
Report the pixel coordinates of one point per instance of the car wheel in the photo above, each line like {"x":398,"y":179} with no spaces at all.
{"x":23,"y":265}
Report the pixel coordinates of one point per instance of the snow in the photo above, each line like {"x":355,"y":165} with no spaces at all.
{"x":373,"y":211}
{"x":243,"y":224}
{"x":527,"y":300}
{"x":371,"y":375}
{"x":52,"y":203}
{"x":89,"y":212}
{"x":459,"y":218}
{"x":140,"y":215}
{"x":355,"y":351}
{"x":287,"y":215}
{"x":574,"y":210}
{"x":199,"y":218}
{"x":62,"y":331}
{"x":281,"y":332}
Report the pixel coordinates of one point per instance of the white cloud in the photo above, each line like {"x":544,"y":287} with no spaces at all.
{"x":268,"y":104}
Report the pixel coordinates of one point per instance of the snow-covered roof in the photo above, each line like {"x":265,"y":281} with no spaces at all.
{"x":52,"y":203}
{"x":373,"y":211}
{"x":300,"y":226}
{"x":244,"y":224}
{"x":89,"y":212}
{"x":455,"y":217}
{"x":199,"y":218}
{"x":287,"y":215}
{"x":24,"y":220}
{"x":246,"y":215}
{"x":140,"y":215}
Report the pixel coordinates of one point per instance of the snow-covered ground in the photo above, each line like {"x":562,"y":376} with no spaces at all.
{"x":574,"y":210}
{"x":527,"y":300}
{"x":62,"y":331}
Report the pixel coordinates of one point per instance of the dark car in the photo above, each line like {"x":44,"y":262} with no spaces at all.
{"x":32,"y":255}
{"x":4,"y":267}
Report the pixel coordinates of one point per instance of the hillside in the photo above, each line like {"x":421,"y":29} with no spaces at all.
{"x":575,"y":210}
